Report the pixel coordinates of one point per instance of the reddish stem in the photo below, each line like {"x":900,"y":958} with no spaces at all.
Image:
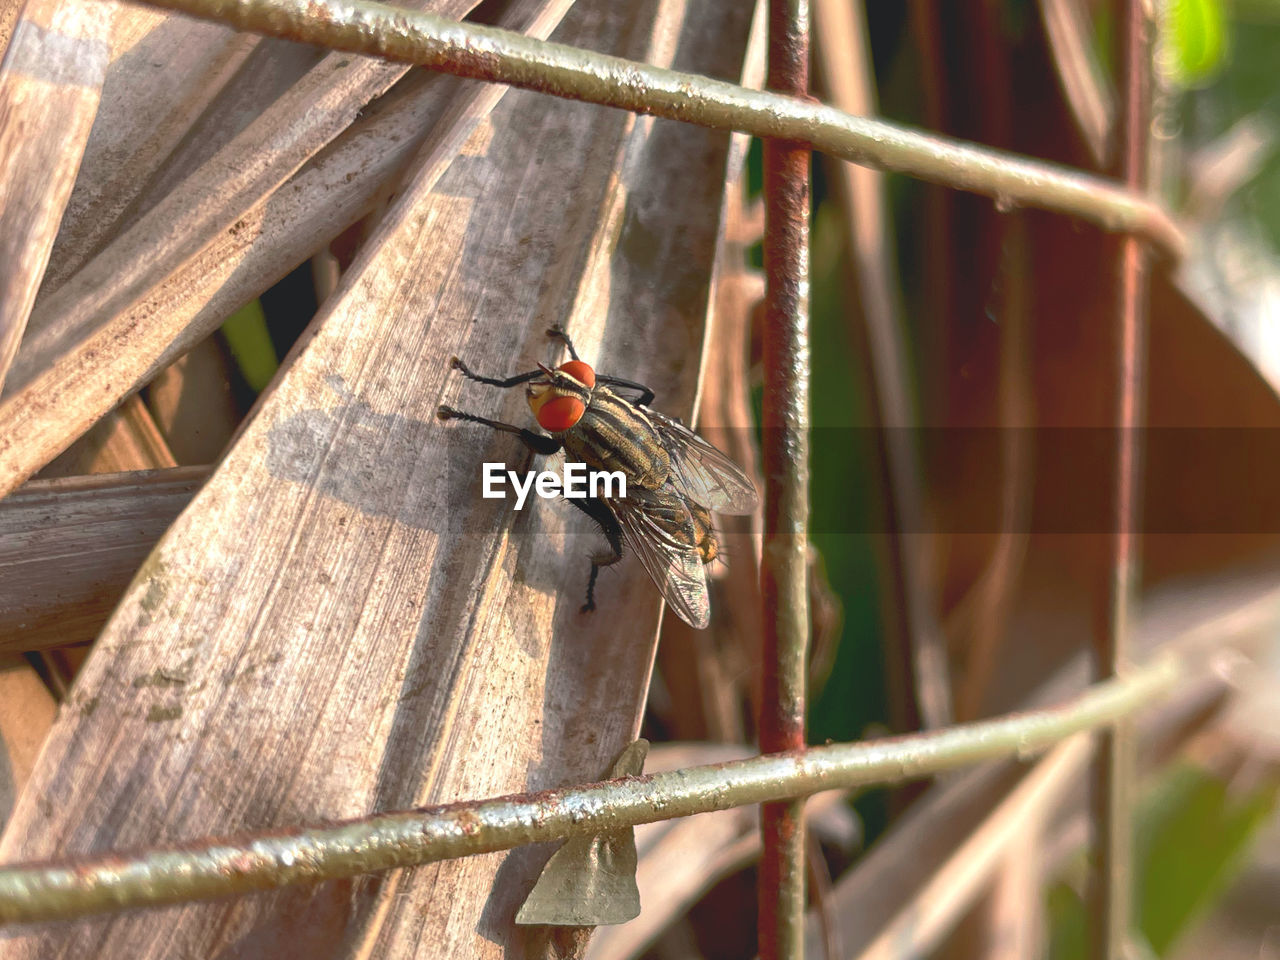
{"x":786,"y":468}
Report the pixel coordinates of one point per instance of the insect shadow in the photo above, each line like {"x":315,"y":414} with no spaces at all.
{"x":415,"y":473}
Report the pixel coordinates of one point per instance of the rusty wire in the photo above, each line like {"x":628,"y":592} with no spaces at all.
{"x":784,"y":585}
{"x":1111,"y":876}
{"x":500,"y":56}
{"x":271,"y":859}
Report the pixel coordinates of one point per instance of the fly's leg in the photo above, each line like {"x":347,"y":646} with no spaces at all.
{"x":504,"y":382}
{"x":597,"y":562}
{"x":646,"y":395}
{"x":599,"y":511}
{"x":534,"y":441}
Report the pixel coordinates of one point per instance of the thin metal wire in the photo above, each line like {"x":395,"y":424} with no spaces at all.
{"x":1112,"y":875}
{"x":218,"y":868}
{"x":784,"y":585}
{"x":487,"y":53}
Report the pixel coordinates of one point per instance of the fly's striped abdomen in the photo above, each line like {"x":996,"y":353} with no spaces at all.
{"x":660,"y":530}
{"x":615,"y":435}
{"x":669,"y":511}
{"x":708,"y":547}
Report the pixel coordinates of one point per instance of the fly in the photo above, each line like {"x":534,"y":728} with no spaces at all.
{"x":675,"y":479}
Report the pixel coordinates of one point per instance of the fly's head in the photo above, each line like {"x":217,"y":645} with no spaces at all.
{"x":560,"y":397}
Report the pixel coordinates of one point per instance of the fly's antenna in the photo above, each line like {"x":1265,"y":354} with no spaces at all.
{"x":557,"y":333}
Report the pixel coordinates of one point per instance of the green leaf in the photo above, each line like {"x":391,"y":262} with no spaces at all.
{"x":1192,"y":835}
{"x":1192,"y":840}
{"x":1194,"y":39}
{"x":250,"y":343}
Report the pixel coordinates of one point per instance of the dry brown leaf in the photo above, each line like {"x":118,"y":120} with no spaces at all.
{"x":125,"y":439}
{"x":26,"y":714}
{"x":193,"y":407}
{"x":95,"y":369}
{"x":192,"y":214}
{"x":9,"y":10}
{"x":1010,"y":923}
{"x":69,"y":547}
{"x":50,"y":82}
{"x":165,"y":70}
{"x":722,"y":661}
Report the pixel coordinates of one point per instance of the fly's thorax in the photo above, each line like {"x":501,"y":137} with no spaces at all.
{"x":613,"y":434}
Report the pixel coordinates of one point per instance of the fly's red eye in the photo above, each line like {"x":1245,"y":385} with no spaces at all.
{"x":581,"y":372}
{"x":561,"y":413}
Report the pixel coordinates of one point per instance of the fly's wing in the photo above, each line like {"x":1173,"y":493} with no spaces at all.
{"x":660,"y":530}
{"x":703,"y":473}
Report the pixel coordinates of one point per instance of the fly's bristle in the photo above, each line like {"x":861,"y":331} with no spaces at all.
{"x":719,"y":565}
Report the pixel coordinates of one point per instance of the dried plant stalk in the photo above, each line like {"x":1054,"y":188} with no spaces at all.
{"x":50,"y":82}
